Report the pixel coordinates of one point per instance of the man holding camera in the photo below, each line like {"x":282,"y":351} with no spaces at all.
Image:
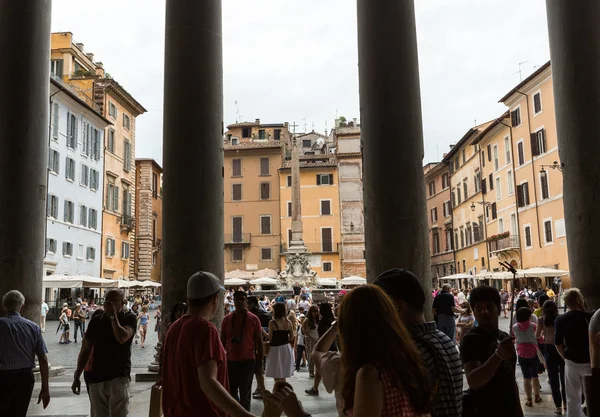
{"x":241,"y":335}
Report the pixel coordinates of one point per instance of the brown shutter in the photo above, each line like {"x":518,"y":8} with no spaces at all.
{"x":330,"y":179}
{"x":534,"y":145}
{"x":514,"y":118}
{"x":526,"y":194}
{"x":491,"y":181}
{"x":326,"y":240}
{"x":237,"y":229}
{"x":520,"y":200}
{"x":483,"y":186}
{"x":494,"y":212}
{"x":318,"y":179}
{"x":544,"y":182}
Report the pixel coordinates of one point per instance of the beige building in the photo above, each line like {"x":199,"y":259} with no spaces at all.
{"x":148,"y":220}
{"x":70,"y":62}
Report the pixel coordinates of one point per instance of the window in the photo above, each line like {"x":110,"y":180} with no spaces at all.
{"x":85,"y":175}
{"x":112,"y":110}
{"x":236,"y":192}
{"x":494,"y":211}
{"x":237,"y":255}
{"x":456,"y":164}
{"x":477,"y":181}
{"x":93,"y":219}
{"x":327,"y":266}
{"x":548,"y":231}
{"x":447,"y":209}
{"x":523,"y":195}
{"x":125,"y":248}
{"x":496,"y":161}
{"x":434,"y":215}
{"x":154,"y":185}
{"x":324,"y":179}
{"x":289,"y":180}
{"x":126,"y":122}
{"x":453,"y":197}
{"x":464,"y":156}
{"x":70,"y":169}
{"x":112,"y":196}
{"x":87,"y":137}
{"x":325,"y":207}
{"x":464,"y":264}
{"x":491,"y":181}
{"x":55,"y":116}
{"x":466,"y":188}
{"x":110,"y":143}
{"x":265,"y":225}
{"x":462,"y":238}
{"x":537,"y":103}
{"x":326,"y":239}
{"x":458,"y":194}
{"x":468,"y":235}
{"x":235,"y":141}
{"x":507,"y":157}
{"x":51,"y":245}
{"x":153,"y":232}
{"x":538,"y":142}
{"x":153,"y":258}
{"x":236,"y":168}
{"x":289,"y":209}
{"x":72,"y":127}
{"x":52,"y":209}
{"x":126,"y":155}
{"x":67,"y":249}
{"x":94,"y":179}
{"x":483,"y":159}
{"x":521,"y":153}
{"x":515,"y":117}
{"x":306,"y":143}
{"x":435,"y":243}
{"x":126,"y":202}
{"x":246,"y":132}
{"x":445,"y":181}
{"x":456,"y":237}
{"x":56,"y":67}
{"x":484,"y":186}
{"x":498,"y":189}
{"x":476,"y":236}
{"x":265,"y":190}
{"x":264,"y":166}
{"x":545,"y":190}
{"x":489,"y":151}
{"x":510,"y":182}
{"x":500,"y":225}
{"x":110,"y":247}
{"x":261,"y":134}
{"x":90,"y":253}
{"x":83,"y":212}
{"x":54,"y":161}
{"x":266,"y":254}
{"x":527,"y":236}
{"x":69,"y":212}
{"x":277,"y":134}
{"x":237,"y":227}
{"x":449,"y":240}
{"x":431,"y":188}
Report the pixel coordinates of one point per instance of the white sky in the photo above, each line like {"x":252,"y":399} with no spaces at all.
{"x":297,"y":60}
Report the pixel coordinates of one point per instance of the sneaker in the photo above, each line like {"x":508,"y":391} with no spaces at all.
{"x":312,"y":392}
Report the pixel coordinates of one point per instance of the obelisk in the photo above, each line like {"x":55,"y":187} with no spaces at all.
{"x":297,"y":243}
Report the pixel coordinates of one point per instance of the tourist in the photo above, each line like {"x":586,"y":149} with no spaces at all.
{"x":241,"y":334}
{"x":300,"y":350}
{"x":44,"y":312}
{"x":20,"y":342}
{"x":137,"y":300}
{"x":280,"y":360}
{"x":504,"y":301}
{"x":466,"y":321}
{"x":489,"y":359}
{"x":143,"y":319}
{"x":527,"y":349}
{"x":264,"y":317}
{"x":539,"y":311}
{"x":550,"y":293}
{"x":380,"y":371}
{"x":107,"y":342}
{"x":229,"y":305}
{"x":158,"y":319}
{"x":264,"y":302}
{"x":297,"y":289}
{"x":304,"y":303}
{"x":278,"y":298}
{"x":325,"y":320}
{"x":79,"y":321}
{"x":293,"y":319}
{"x":522,"y":302}
{"x":572,"y":343}
{"x":554,"y":362}
{"x":194,"y":367}
{"x":290,"y":304}
{"x":436,"y":348}
{"x":311,"y":336}
{"x":461,"y":297}
{"x":444,"y":307}
{"x":64,"y":325}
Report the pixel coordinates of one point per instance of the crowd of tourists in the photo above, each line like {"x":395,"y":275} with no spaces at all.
{"x":372,"y":347}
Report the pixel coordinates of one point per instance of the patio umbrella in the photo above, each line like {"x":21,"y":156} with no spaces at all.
{"x":327,"y":282}
{"x":544,"y":272}
{"x":235,"y":282}
{"x":456,"y":276}
{"x":353,"y":280}
{"x":264,"y":281}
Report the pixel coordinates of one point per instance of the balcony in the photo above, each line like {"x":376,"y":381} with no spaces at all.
{"x":238,"y":239}
{"x":504,"y":244}
{"x":127,"y":223}
{"x":327,"y":247}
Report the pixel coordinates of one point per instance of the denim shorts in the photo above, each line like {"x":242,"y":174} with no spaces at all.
{"x":529,"y":367}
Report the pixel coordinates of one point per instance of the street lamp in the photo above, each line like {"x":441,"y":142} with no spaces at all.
{"x":481,"y":203}
{"x":555,"y":165}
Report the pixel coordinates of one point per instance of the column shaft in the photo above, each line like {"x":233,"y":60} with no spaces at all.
{"x":394,"y":191}
{"x":24,"y":132}
{"x":193,"y":146}
{"x":575,"y":53}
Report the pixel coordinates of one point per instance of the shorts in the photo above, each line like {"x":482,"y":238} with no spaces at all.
{"x":65,"y":328}
{"x":529,"y":367}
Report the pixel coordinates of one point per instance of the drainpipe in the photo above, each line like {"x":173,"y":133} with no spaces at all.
{"x":487,"y":248}
{"x":454,"y":244}
{"x":537,"y":214}
{"x":60,"y":88}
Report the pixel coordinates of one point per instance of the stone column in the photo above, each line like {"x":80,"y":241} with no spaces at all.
{"x":24,"y":134}
{"x":193,"y":147}
{"x":574,"y":45}
{"x":392,"y":139}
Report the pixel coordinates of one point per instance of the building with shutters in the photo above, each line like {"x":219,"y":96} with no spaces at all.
{"x":148,"y":219}
{"x":75,"y":186}
{"x":73,"y":65}
{"x":253,"y":156}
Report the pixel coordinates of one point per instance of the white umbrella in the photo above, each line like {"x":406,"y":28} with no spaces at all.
{"x":264,"y":281}
{"x":456,"y":276}
{"x":77,"y":281}
{"x":353,"y":280}
{"x":152,"y":284}
{"x":327,"y":282}
{"x":544,"y":272}
{"x":234,"y":282}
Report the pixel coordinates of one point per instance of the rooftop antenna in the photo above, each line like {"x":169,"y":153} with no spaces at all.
{"x":325,"y":127}
{"x":294,"y":125}
{"x":237,"y":112}
{"x":304,"y":124}
{"x":313,"y":126}
{"x":520,"y":72}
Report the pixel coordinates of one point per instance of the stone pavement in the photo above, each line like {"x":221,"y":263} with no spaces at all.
{"x":65,"y":403}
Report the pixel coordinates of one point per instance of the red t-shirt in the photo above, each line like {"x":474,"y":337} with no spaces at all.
{"x":191,"y":342}
{"x":233,"y":326}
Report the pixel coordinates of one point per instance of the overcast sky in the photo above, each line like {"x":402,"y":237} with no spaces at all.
{"x":296,"y":61}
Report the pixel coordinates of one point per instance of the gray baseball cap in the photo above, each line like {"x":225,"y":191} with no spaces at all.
{"x":203,"y":284}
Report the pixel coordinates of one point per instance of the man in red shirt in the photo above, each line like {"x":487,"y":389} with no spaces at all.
{"x":194,"y":372}
{"x":241,"y":335}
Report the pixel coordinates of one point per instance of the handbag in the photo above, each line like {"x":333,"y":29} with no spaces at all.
{"x":156,"y":401}
{"x":540,"y":356}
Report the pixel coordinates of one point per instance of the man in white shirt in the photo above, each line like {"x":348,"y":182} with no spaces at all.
{"x":304,"y":303}
{"x":44,"y":312}
{"x":461,"y":297}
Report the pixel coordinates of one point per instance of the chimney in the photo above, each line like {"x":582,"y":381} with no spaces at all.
{"x":80,"y":46}
{"x":257,"y":121}
{"x":99,"y":64}
{"x":355,"y":120}
{"x":90,"y":56}
{"x":286,"y":124}
{"x":337,"y":122}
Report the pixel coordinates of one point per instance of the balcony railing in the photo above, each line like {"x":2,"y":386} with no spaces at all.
{"x":507,"y":243}
{"x":127,"y":223}
{"x":319,"y":247}
{"x":237,"y":239}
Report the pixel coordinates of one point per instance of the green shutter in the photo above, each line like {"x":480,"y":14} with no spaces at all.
{"x":116,"y":199}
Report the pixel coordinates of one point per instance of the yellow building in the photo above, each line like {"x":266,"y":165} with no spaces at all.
{"x":70,"y":62}
{"x":320,"y":211}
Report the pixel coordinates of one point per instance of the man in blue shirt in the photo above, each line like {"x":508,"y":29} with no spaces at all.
{"x":20,"y":341}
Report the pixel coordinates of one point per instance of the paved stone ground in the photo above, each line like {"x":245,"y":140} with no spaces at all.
{"x":64,"y":403}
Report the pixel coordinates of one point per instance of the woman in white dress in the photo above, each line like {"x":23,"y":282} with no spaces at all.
{"x":280,"y":360}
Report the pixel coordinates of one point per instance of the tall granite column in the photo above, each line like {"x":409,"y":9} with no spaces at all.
{"x":24,"y":118}
{"x":394,"y":190}
{"x":193,"y":146}
{"x":575,"y":55}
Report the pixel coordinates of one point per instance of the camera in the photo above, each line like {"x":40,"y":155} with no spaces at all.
{"x":236,"y":339}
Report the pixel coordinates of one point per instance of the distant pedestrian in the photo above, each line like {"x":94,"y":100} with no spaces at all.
{"x":280,"y":360}
{"x":311,"y":336}
{"x":64,"y":326}
{"x":44,"y":312}
{"x":278,"y":298}
{"x":143,"y":319}
{"x":444,"y":307}
{"x":158,"y":319}
{"x":527,"y":348}
{"x":304,"y":302}
{"x":290,"y":304}
{"x":504,"y":301}
{"x":20,"y":342}
{"x":79,"y":321}
{"x":297,"y":289}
